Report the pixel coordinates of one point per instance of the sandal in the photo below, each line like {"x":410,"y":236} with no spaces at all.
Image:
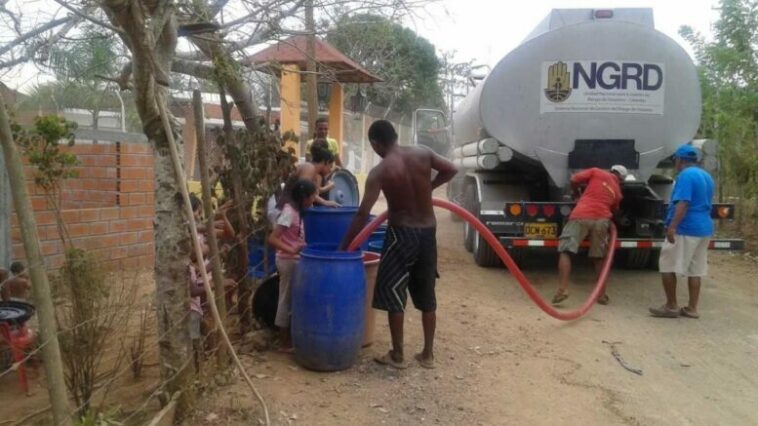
{"x":387,"y":359}
{"x":603,"y":300}
{"x":286,"y":350}
{"x":424,"y":362}
{"x":664,"y":312}
{"x":559,"y":297}
{"x":687,"y":312}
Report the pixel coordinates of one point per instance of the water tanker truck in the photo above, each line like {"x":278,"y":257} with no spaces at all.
{"x":587,"y":88}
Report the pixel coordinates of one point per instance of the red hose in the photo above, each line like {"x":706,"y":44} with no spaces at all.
{"x":509,"y":263}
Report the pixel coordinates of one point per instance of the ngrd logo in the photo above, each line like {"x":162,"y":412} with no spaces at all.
{"x":618,"y":75}
{"x":562,"y":78}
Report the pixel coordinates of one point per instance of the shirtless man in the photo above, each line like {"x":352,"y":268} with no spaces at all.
{"x":409,"y":258}
{"x":4,"y":276}
{"x":17,"y":286}
{"x":316,"y":171}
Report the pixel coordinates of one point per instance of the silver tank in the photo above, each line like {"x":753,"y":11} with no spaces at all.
{"x":582,"y":77}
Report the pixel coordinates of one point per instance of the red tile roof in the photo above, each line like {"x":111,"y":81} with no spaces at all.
{"x":330,"y":60}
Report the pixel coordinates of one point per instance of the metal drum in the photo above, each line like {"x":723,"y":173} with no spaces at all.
{"x":15,"y":313}
{"x":345,"y":191}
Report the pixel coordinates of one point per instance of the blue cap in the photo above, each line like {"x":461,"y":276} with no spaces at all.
{"x":686,"y":152}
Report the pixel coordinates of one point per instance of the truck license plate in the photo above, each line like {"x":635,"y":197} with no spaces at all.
{"x":541,"y":230}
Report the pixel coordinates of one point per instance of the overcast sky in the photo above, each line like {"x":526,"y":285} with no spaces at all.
{"x":486,"y":30}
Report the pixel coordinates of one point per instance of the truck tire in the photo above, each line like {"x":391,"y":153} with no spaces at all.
{"x":469,"y":203}
{"x":636,"y":258}
{"x":484,"y":255}
{"x":518,"y":255}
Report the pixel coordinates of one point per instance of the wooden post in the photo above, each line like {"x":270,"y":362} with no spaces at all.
{"x":244,"y":286}
{"x":189,"y":136}
{"x":5,"y":215}
{"x":310,"y":78}
{"x":218,"y":275}
{"x":336,"y":116}
{"x":51,"y":352}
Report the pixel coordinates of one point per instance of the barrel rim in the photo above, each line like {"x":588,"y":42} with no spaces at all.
{"x":311,"y":253}
{"x":332,"y":210}
{"x":370,"y":258}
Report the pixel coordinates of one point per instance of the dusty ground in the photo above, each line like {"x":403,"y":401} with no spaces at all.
{"x":502,"y":361}
{"x":130,"y":396}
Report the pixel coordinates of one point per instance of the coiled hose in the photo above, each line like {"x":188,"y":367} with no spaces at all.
{"x":509,"y":263}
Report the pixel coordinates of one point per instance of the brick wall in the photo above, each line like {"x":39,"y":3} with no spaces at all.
{"x":108,"y":209}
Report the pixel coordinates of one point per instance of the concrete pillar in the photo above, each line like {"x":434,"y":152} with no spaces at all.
{"x":336,"y":116}
{"x":290,"y":103}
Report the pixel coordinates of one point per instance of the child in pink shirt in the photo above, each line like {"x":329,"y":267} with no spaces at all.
{"x":288,"y":239}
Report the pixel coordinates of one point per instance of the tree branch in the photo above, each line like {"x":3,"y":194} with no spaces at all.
{"x":218,"y":6}
{"x":88,"y":17}
{"x":116,"y":80}
{"x":193,"y":68}
{"x":12,"y":16}
{"x":33,"y":33}
{"x":258,"y":37}
{"x":191,"y":56}
{"x":31,"y":51}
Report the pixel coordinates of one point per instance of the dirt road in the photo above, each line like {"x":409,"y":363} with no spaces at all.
{"x":500,"y":360}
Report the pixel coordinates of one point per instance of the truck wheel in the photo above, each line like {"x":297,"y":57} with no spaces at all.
{"x":484,"y":255}
{"x":518,"y":255}
{"x":637,"y":258}
{"x":470,"y":204}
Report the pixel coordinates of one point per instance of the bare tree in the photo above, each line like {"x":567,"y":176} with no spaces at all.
{"x":217,"y":37}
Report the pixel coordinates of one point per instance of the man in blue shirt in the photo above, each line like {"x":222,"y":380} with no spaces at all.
{"x":689,"y":228}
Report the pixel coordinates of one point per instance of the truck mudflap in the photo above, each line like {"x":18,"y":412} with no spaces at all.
{"x":621,"y":243}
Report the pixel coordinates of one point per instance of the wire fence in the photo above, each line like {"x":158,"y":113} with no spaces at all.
{"x":123,"y":365}
{"x":358,"y":157}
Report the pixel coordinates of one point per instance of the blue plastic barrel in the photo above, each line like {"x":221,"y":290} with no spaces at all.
{"x":378,"y":235}
{"x":261,"y":262}
{"x":376,"y":246}
{"x":327,"y":225}
{"x":328,"y":316}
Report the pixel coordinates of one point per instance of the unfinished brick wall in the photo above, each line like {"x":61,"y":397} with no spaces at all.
{"x":108,"y":209}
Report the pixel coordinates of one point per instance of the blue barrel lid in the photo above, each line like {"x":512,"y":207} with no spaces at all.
{"x":376,"y":246}
{"x":345,"y":190}
{"x":332,"y":210}
{"x":324,"y":252}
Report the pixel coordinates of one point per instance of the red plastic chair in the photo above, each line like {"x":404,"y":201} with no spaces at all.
{"x":18,"y":339}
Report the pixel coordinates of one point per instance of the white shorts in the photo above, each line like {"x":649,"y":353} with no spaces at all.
{"x":688,"y":256}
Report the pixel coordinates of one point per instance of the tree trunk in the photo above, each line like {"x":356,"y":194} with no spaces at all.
{"x":171,"y":280}
{"x":152,"y":41}
{"x":218,"y":275}
{"x":228,"y":75}
{"x":51,"y":354}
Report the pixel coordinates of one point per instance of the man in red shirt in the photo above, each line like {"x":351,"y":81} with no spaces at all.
{"x":590,"y":218}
